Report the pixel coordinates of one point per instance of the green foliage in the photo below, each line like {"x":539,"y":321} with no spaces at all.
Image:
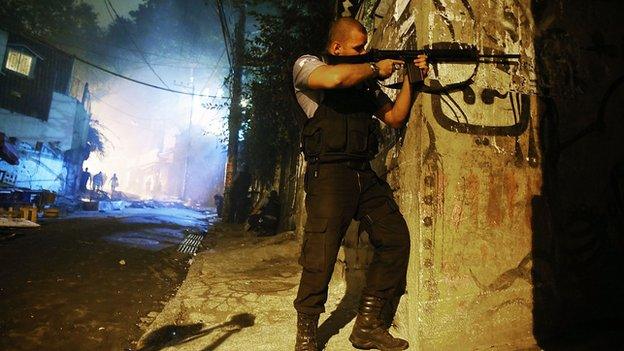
{"x":169,"y":31}
{"x":49,"y":20}
{"x":285,"y":31}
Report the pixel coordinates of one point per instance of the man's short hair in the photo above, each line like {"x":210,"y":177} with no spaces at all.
{"x":341,"y":28}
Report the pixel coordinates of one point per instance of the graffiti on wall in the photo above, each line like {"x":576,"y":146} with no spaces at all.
{"x":513,"y":111}
{"x":488,"y":104}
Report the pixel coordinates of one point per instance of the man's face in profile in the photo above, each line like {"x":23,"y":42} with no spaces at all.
{"x":353,"y":44}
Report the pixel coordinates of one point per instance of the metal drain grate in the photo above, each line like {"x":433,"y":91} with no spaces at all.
{"x":191,"y":243}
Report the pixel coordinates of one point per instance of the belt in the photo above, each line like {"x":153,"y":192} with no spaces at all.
{"x":359,"y":165}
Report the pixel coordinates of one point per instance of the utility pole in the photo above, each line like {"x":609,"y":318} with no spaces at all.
{"x":188,"y":145}
{"x":235,"y":116}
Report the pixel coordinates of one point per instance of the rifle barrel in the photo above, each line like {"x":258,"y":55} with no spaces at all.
{"x":434,"y":55}
{"x":500,"y":56}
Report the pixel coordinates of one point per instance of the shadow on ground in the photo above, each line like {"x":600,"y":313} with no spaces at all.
{"x":341,"y":316}
{"x":173,"y":335}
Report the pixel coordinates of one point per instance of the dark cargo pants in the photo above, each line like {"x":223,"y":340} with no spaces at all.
{"x":335,"y":194}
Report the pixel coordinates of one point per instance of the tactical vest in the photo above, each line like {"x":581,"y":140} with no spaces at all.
{"x":343,"y":127}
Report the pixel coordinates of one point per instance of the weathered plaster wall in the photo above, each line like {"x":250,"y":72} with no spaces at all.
{"x":465,"y":172}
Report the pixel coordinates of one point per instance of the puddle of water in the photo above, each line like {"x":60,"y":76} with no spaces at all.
{"x":152,"y":240}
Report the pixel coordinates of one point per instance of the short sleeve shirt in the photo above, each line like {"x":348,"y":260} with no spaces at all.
{"x":309,"y":99}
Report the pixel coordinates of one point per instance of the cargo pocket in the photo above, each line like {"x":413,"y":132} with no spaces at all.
{"x":313,"y":250}
{"x":335,"y":127}
{"x":312,"y":140}
{"x":358,"y":135}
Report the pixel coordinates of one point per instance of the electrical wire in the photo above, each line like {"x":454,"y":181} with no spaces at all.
{"x":89,"y":63}
{"x":108,"y":44}
{"x":116,"y":57}
{"x":224,"y":30}
{"x":101,"y":100}
{"x":140,"y":82}
{"x":109,"y":4}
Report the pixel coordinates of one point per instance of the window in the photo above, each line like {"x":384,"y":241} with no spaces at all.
{"x":20,"y":62}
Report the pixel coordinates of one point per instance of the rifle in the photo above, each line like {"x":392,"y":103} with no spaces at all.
{"x":468,"y":54}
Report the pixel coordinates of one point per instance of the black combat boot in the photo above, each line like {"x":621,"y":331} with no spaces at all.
{"x":307,"y":325}
{"x":370,"y":332}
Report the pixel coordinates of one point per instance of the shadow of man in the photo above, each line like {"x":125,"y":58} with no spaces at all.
{"x":357,"y":257}
{"x":172,"y":335}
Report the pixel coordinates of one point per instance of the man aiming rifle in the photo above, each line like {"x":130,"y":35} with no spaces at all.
{"x":339,"y":139}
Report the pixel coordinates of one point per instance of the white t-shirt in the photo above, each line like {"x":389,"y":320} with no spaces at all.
{"x":309,"y":99}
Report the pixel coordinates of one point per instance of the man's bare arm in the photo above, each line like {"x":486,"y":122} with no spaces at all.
{"x":395,"y":114}
{"x":348,"y":75}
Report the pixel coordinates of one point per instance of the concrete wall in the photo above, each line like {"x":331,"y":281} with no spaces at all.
{"x":465,"y":172}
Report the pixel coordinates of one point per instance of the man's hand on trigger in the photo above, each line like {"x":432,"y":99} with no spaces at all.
{"x":387,"y":67}
{"x":421,"y":62}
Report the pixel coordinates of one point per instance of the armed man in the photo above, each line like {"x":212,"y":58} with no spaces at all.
{"x":339,"y":138}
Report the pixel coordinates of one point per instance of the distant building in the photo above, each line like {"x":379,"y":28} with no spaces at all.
{"x":44,"y":127}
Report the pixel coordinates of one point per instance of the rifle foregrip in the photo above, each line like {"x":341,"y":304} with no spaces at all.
{"x":414,"y":73}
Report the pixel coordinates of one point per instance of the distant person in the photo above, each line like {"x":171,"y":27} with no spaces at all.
{"x":157,"y":190}
{"x":98,"y":181}
{"x":85,"y":177}
{"x":265,"y":219}
{"x":114,"y":183}
{"x":218,"y":201}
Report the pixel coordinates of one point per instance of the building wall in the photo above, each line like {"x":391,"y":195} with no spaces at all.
{"x":32,"y":96}
{"x":62,"y":138}
{"x":58,"y":129}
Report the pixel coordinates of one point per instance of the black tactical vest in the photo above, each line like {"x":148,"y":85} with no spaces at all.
{"x":343,"y":127}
